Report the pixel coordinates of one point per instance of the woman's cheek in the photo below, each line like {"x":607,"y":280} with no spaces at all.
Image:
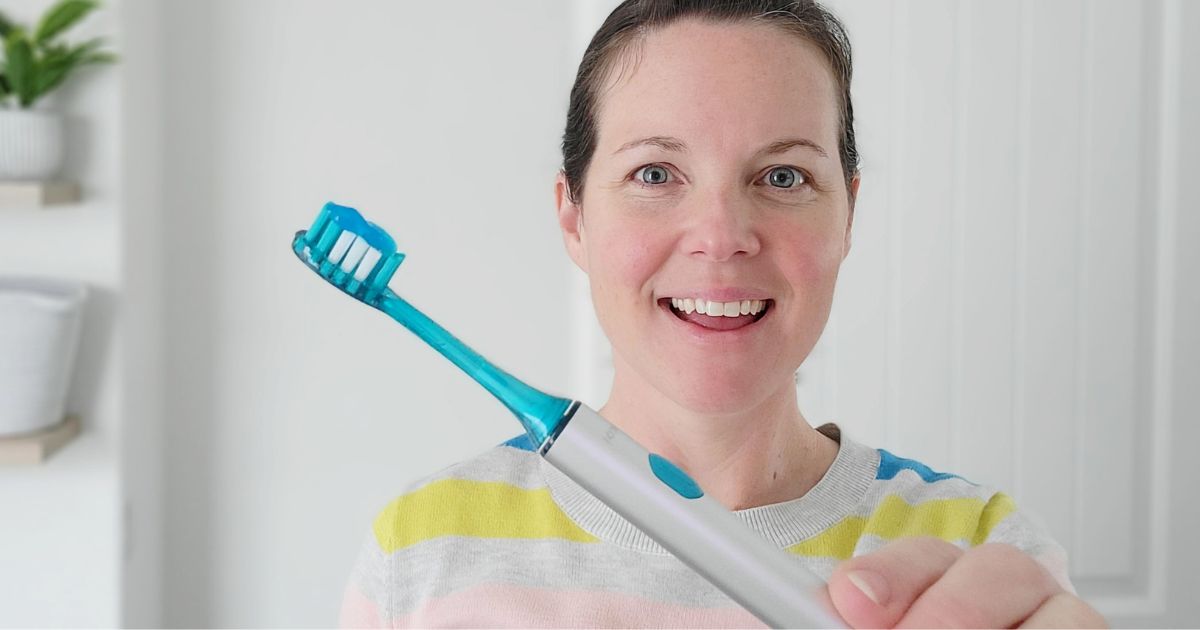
{"x":617,"y":281}
{"x":640,"y":255}
{"x":814,"y":259}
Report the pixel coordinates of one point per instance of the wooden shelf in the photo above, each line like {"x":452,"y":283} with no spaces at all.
{"x":35,"y":448}
{"x":37,"y":194}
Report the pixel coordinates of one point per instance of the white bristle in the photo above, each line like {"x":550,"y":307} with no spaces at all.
{"x":340,"y":247}
{"x":357,"y":249}
{"x":367,"y":264}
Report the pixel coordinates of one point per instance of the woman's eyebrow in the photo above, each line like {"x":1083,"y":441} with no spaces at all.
{"x":668,"y":143}
{"x":783,"y":146}
{"x":665,"y":143}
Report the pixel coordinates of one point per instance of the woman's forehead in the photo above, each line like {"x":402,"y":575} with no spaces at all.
{"x":720,"y":83}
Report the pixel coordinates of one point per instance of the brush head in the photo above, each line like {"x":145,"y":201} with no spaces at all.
{"x":353,"y":254}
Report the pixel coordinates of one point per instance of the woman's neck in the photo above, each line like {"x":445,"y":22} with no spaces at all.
{"x":758,"y":456}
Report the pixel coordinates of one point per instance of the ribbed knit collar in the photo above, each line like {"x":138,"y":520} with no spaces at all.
{"x":787,"y":523}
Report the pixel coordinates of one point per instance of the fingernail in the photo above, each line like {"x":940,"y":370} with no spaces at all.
{"x":871,"y":584}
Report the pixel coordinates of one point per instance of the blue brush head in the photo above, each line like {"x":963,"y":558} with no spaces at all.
{"x":350,"y":252}
{"x":359,"y":258}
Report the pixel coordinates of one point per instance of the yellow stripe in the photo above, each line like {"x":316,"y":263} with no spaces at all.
{"x":481,"y":509}
{"x":836,"y":542}
{"x":949,"y":519}
{"x":1000,"y":506}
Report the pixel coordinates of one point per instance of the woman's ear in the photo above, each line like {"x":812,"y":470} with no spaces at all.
{"x":850,"y":217}
{"x":570,"y":221}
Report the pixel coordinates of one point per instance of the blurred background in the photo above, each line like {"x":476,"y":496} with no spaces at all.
{"x":1019,"y":305}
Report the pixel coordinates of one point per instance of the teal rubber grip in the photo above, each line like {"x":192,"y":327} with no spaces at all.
{"x":674,"y":477}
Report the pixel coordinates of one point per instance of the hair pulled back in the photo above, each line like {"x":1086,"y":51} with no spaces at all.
{"x":633,"y":20}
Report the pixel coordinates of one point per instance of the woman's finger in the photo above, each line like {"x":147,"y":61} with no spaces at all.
{"x":990,"y":586}
{"x":875,"y":590}
{"x":1065,"y":610}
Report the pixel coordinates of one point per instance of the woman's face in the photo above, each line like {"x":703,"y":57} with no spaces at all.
{"x":716,"y":177}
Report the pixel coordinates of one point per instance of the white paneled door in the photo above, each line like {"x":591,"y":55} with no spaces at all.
{"x":1009,"y":307}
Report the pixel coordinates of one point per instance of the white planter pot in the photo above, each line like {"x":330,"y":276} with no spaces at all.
{"x":39,"y":334}
{"x":31,"y":144}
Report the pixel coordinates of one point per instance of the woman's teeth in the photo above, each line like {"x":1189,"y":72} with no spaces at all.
{"x":718,"y":309}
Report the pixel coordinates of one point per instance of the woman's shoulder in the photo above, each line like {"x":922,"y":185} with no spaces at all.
{"x":498,"y":493}
{"x":878,"y":475}
{"x":512,"y":462}
{"x":884,"y":496}
{"x":909,"y":498}
{"x":915,"y":481}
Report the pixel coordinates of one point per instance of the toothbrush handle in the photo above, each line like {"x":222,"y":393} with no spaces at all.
{"x":653,"y":494}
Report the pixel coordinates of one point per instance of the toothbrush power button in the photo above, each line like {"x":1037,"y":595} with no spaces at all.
{"x":674,"y":477}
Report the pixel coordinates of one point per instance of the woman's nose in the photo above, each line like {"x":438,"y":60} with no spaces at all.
{"x":720,"y":226}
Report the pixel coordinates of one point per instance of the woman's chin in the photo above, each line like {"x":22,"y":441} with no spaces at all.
{"x":722,"y":397}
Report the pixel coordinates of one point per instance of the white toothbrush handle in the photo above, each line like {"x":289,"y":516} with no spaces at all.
{"x":653,"y":495}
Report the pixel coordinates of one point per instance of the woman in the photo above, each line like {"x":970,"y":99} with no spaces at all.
{"x":708,"y":188}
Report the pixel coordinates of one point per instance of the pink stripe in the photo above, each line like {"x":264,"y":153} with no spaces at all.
{"x":358,"y":611}
{"x":502,"y":606}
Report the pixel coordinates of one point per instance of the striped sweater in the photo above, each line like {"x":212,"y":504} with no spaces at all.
{"x":506,"y":540}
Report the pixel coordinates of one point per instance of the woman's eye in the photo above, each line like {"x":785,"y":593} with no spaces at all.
{"x":652,"y":175}
{"x":784,"y":177}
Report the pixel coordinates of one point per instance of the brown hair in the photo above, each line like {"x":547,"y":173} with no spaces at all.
{"x":630,"y":22}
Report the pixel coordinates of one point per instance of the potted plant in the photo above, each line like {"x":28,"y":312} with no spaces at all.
{"x":35,"y":63}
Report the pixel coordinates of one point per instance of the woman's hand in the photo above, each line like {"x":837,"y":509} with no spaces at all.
{"x":927,"y":582}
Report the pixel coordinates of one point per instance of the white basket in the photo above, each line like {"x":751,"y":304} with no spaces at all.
{"x":40,"y":320}
{"x":31,"y":145}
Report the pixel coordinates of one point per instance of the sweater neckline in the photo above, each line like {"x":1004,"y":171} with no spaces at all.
{"x":838,"y":492}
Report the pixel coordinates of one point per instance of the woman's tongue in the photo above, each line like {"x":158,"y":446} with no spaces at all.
{"x":716,"y":323}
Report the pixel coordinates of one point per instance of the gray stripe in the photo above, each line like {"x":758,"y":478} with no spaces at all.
{"x":499,"y":463}
{"x":1023,"y":530}
{"x":371,"y":574}
{"x":443,"y":565}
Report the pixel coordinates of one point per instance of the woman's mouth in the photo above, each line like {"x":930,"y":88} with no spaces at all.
{"x":717,"y":316}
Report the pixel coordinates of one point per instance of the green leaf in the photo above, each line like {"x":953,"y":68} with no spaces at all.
{"x":6,"y":25}
{"x":76,"y":52}
{"x":20,"y":67}
{"x":55,"y":50}
{"x":50,"y":73}
{"x":59,"y":62}
{"x":61,"y":17}
{"x":89,"y":45}
{"x":100,"y":57}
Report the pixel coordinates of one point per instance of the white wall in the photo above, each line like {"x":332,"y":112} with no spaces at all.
{"x":294,"y":413}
